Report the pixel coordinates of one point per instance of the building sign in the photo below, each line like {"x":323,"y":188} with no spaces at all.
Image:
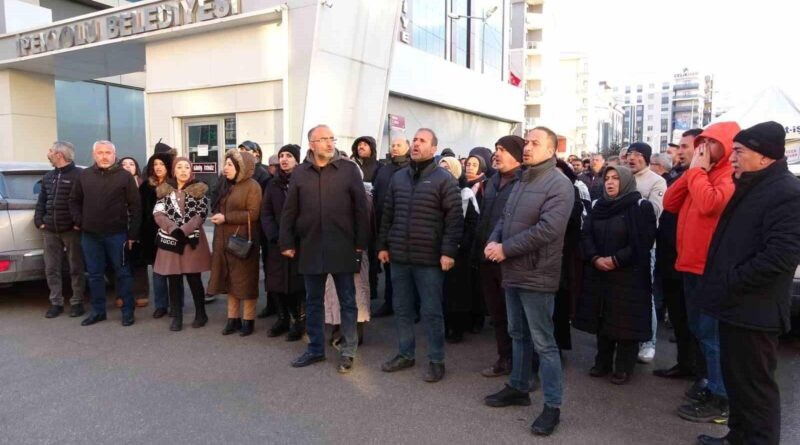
{"x":397,"y":123}
{"x":126,"y":23}
{"x":405,"y":35}
{"x":204,"y":167}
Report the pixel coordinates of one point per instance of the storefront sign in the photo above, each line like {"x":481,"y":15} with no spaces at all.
{"x":397,"y":123}
{"x":204,"y":167}
{"x":130,"y":22}
{"x":405,"y":35}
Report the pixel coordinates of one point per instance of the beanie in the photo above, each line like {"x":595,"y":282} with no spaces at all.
{"x":293,"y":149}
{"x":448,"y":152}
{"x":514,"y":145}
{"x":767,"y":138}
{"x":643,"y":149}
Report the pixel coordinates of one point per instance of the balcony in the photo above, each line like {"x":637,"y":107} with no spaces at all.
{"x":686,"y":86}
{"x":533,"y":97}
{"x":533,"y":47}
{"x":534,"y":20}
{"x":684,"y":108}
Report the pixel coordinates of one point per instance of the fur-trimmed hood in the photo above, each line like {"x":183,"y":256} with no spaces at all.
{"x":196,"y":190}
{"x":245,"y":162}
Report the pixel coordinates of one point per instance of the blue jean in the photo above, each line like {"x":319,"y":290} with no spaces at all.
{"x":161,"y":291}
{"x":530,"y":325}
{"x":706,"y":330}
{"x":97,"y":251}
{"x":315,"y":312}
{"x":428,"y":281}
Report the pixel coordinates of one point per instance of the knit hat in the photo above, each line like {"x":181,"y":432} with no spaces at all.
{"x":514,"y":145}
{"x":293,"y":149}
{"x":448,"y":152}
{"x":767,"y":138}
{"x":642,"y":148}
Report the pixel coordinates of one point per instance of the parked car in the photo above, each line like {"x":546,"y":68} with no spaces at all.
{"x":21,"y":243}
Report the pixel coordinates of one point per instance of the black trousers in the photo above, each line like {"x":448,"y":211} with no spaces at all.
{"x":625,"y":360}
{"x":492,"y":285}
{"x":749,"y":359}
{"x":195,"y":285}
{"x":690,"y":357}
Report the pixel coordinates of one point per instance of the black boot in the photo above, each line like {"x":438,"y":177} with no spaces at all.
{"x":200,"y":317}
{"x":176,"y":303}
{"x":247,"y":327}
{"x":233,"y":325}
{"x":297,"y":318}
{"x":177,"y":322}
{"x":281,"y":325}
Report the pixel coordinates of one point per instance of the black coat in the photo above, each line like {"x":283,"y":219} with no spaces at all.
{"x":52,"y":208}
{"x":617,"y":304}
{"x":754,"y":252}
{"x":262,"y":176}
{"x":369,"y":166}
{"x":459,"y":284}
{"x":380,"y":184}
{"x":422,"y":217}
{"x":282,"y":273}
{"x":666,"y":237}
{"x":594,"y":182}
{"x":325,"y":217}
{"x":147,"y":234}
{"x":106,"y":201}
{"x":492,"y":205}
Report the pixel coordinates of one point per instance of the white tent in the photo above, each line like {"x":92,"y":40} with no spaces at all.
{"x":772,"y":104}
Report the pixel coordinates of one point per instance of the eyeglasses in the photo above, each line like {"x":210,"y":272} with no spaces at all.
{"x":325,"y":140}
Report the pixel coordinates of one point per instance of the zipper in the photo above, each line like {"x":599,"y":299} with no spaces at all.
{"x":55,"y":194}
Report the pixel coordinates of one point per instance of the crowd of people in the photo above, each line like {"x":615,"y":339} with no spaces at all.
{"x":703,"y":234}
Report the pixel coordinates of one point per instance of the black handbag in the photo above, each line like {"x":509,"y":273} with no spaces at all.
{"x":169,"y":243}
{"x":238,"y":246}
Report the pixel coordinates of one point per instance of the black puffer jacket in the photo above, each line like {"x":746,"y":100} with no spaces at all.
{"x":422,"y":217}
{"x":666,"y":237}
{"x":754,"y":252}
{"x":52,"y":208}
{"x":369,"y":166}
{"x":106,"y":201}
{"x":492,"y":205}
{"x":380,"y":184}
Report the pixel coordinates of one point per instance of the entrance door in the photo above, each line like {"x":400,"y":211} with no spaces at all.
{"x":207,"y":140}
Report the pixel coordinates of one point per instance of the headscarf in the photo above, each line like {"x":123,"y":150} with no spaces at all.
{"x":455,"y":166}
{"x":627,"y":196}
{"x":627,"y":182}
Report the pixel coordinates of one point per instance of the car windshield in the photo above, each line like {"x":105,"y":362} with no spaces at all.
{"x":23,"y":185}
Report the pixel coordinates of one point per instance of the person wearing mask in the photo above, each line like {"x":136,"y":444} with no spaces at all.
{"x":593,"y":176}
{"x":180,"y":211}
{"x":652,"y":188}
{"x":325,"y":223}
{"x":365,"y":155}
{"x":527,"y":242}
{"x":399,"y":159}
{"x":53,"y":218}
{"x":283,"y":278}
{"x":699,"y":197}
{"x":105,"y":205}
{"x":236,"y":212}
{"x":749,"y":271}
{"x":615,"y":303}
{"x":421,"y":227}
{"x":508,"y":156}
{"x":131,"y":165}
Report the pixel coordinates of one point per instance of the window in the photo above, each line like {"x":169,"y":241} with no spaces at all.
{"x":459,"y":34}
{"x":651,"y":96}
{"x":490,"y":62}
{"x":627,"y":100}
{"x":639,"y":99}
{"x":649,"y":128}
{"x":638,"y":88}
{"x":665,"y":86}
{"x":627,"y":90}
{"x":664,"y":98}
{"x":427,"y":23}
{"x":650,"y":106}
{"x":664,"y":125}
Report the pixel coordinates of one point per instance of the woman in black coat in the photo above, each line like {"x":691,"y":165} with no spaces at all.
{"x":615,"y":303}
{"x":282,"y":276}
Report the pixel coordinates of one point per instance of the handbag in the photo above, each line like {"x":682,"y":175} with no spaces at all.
{"x":169,"y":243}
{"x":239,"y":246}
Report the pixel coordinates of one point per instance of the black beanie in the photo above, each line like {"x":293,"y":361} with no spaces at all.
{"x":642,"y":148}
{"x":767,"y":138}
{"x":293,"y":149}
{"x":448,"y":152}
{"x":514,"y":145}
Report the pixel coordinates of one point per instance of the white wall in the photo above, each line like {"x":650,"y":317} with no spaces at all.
{"x":16,"y":15}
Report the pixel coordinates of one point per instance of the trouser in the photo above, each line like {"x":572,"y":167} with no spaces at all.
{"x":749,"y":360}
{"x":140,"y":283}
{"x":387,"y":285}
{"x":690,"y":357}
{"x":626,"y":350}
{"x":55,"y":246}
{"x":295,"y":306}
{"x":374,"y":270}
{"x":195,"y":286}
{"x":315,"y":312}
{"x":530,"y":325}
{"x":654,"y":318}
{"x":706,"y":330}
{"x":97,"y":251}
{"x":428,"y":282}
{"x":161,"y":291}
{"x":272,"y":301}
{"x":249,"y":312}
{"x":492,"y":285}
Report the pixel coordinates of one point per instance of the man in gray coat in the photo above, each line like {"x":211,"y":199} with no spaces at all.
{"x":527,"y":242}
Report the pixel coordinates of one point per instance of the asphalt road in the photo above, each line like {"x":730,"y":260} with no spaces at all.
{"x":105,"y":384}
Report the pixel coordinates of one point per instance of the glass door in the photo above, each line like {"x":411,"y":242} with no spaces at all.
{"x":207,"y":139}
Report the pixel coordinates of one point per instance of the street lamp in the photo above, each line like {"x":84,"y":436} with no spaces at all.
{"x":483,"y":18}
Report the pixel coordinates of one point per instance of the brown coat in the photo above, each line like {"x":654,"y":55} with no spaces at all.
{"x":193,"y":260}
{"x":229,"y":274}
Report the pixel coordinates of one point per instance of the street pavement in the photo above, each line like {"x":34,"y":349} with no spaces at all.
{"x":61,"y":383}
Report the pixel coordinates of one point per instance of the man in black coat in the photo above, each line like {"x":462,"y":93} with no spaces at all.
{"x":398,"y":159}
{"x":365,"y":154}
{"x":421,"y":227}
{"x":325,"y":223}
{"x":593,"y":176}
{"x":53,"y":218}
{"x":749,"y":271}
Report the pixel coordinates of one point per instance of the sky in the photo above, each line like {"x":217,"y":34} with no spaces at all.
{"x":746,"y":45}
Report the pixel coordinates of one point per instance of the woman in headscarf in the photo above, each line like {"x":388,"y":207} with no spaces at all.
{"x":181,"y":209}
{"x":475,"y":176}
{"x":475,"y":173}
{"x":236,"y":210}
{"x":615,"y":303}
{"x":459,"y":286}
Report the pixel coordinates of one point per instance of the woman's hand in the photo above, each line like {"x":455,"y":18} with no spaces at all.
{"x":218,"y":219}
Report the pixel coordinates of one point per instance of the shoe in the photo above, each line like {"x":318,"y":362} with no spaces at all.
{"x":280,"y":327}
{"x":397,"y":363}
{"x":620,"y":378}
{"x":598,"y":371}
{"x":54,"y":311}
{"x":384,"y":311}
{"x":210,"y":299}
{"x":500,"y":368}
{"x":118,"y":302}
{"x":674,"y":372}
{"x":708,"y":440}
{"x":248,"y":326}
{"x":200,"y":321}
{"x":159,"y":312}
{"x":233,"y":325}
{"x":546,"y":423}
{"x":296,"y":331}
{"x":92,"y":319}
{"x":76,"y":310}
{"x":177,"y":324}
{"x":506,"y":397}
{"x":646,"y":354}
{"x":455,"y":337}
{"x":307,"y":359}
{"x":434,"y":373}
{"x":698,"y":392}
{"x":142,"y":302}
{"x":713,"y":410}
{"x":127,"y":320}
{"x":345,"y":365}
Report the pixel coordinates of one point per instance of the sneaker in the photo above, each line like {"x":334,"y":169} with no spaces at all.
{"x":713,"y":410}
{"x":397,"y":363}
{"x":54,"y":311}
{"x":506,"y":397}
{"x":698,"y":392}
{"x":647,"y":354}
{"x":546,"y":423}
{"x":500,"y":368}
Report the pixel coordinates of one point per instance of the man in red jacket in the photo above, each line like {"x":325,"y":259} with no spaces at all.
{"x":698,"y":197}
